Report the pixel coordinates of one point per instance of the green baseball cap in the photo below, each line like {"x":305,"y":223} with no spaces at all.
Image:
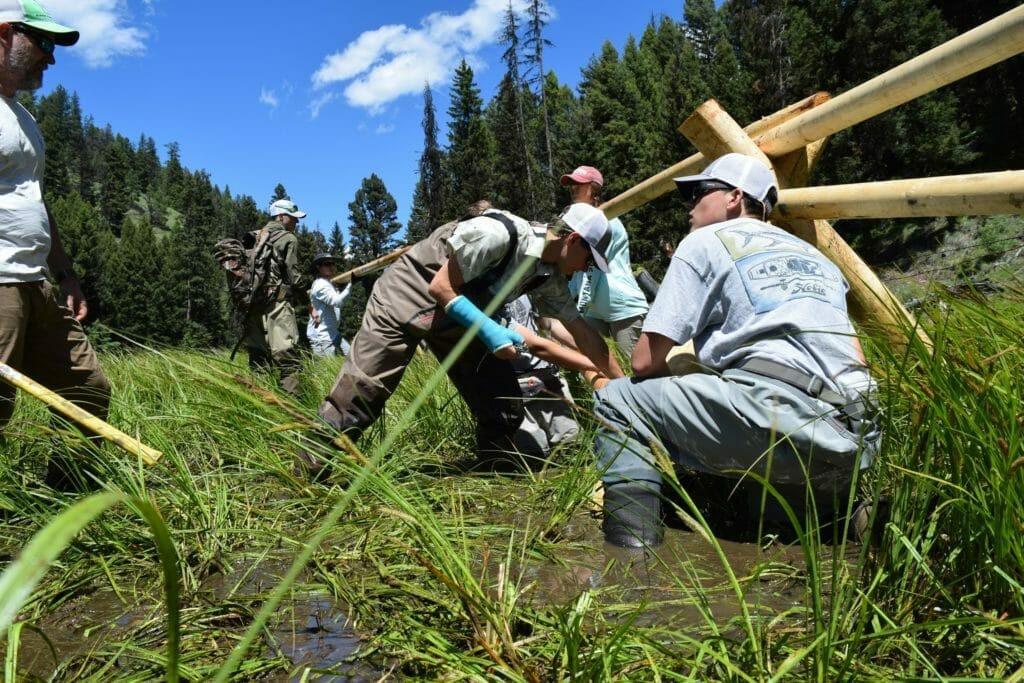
{"x":31,"y":13}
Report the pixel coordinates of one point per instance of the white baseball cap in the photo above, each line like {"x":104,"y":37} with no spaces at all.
{"x":282,"y":206}
{"x":30,"y":13}
{"x":740,"y":171}
{"x":592,"y":225}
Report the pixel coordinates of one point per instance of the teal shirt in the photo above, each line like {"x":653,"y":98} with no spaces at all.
{"x":614,"y":295}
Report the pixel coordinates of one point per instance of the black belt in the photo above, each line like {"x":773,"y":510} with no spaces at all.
{"x":812,"y":385}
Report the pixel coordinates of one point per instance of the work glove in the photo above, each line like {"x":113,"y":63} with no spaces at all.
{"x":632,"y":515}
{"x":494,"y":336}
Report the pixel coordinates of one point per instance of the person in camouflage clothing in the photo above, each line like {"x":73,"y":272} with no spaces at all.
{"x":271,"y":333}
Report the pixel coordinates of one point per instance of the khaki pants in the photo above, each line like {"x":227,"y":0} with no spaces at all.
{"x":392,"y":328}
{"x":272,"y":340}
{"x":41,"y":338}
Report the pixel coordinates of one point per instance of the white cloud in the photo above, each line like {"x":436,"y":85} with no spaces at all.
{"x":269,"y":98}
{"x":319,"y":103}
{"x":395,"y":60}
{"x":105,"y":27}
{"x":384,"y":128}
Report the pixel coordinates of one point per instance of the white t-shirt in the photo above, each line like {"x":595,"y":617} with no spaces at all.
{"x":24,"y":228}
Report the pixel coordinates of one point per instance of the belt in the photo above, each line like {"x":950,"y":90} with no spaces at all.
{"x":812,"y":385}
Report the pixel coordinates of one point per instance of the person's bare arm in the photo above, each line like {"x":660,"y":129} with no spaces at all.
{"x":649,"y":355}
{"x":592,"y":345}
{"x":556,"y":329}
{"x":59,"y":264}
{"x":553,"y":352}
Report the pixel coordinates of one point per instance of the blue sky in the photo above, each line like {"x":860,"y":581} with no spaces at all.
{"x":315,"y":95}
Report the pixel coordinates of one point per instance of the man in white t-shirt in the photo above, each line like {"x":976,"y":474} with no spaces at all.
{"x":784,"y":390}
{"x":40,"y":324}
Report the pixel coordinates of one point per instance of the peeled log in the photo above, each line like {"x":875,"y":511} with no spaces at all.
{"x":992,"y":42}
{"x":979,"y":194}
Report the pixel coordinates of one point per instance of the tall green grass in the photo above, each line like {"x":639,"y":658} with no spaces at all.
{"x":452,"y":575}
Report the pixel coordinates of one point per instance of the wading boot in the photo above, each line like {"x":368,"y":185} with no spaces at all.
{"x":632,"y":515}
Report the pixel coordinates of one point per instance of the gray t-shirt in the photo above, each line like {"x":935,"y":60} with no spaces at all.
{"x":744,"y":289}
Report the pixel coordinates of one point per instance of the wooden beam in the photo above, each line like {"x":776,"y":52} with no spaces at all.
{"x":979,"y":194}
{"x":992,"y":42}
{"x":78,"y":414}
{"x":370,"y":267}
{"x":660,"y":184}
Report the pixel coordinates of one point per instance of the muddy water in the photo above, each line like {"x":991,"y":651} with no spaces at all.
{"x":309,"y":629}
{"x":684,"y":580}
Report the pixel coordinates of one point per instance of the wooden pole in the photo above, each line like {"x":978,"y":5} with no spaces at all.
{"x":714,"y":132}
{"x":660,"y":184}
{"x":78,"y":414}
{"x":979,"y":194}
{"x":988,"y":44}
{"x":371,"y":267}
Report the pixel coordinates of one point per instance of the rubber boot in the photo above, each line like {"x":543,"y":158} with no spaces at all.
{"x":632,"y":515}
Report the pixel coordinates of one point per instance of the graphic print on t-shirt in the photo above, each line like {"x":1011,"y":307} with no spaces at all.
{"x":776,"y":268}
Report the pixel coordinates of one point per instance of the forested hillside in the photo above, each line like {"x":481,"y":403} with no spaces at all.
{"x":140,"y":228}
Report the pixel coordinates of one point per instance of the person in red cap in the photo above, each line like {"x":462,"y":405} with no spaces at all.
{"x":612,"y":303}
{"x":41,"y":333}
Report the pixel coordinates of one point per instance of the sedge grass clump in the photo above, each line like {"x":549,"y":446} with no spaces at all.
{"x":444,"y":572}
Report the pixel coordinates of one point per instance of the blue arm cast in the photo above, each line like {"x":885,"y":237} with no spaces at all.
{"x":494,"y":336}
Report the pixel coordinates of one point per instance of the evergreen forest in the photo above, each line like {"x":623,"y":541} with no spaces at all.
{"x":140,"y":228}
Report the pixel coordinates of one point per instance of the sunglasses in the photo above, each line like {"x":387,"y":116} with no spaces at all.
{"x":695,"y":192}
{"x":43,"y":41}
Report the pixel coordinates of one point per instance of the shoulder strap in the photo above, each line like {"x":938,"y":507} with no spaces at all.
{"x":486,"y":279}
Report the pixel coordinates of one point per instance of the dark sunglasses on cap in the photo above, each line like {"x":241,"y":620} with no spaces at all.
{"x":42,"y":40}
{"x":694,"y":192}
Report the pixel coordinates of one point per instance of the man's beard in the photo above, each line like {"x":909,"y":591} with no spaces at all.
{"x":28,"y":69}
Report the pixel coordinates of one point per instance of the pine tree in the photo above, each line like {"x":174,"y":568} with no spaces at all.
{"x":129,"y":284}
{"x":470,"y":157}
{"x":428,"y":199}
{"x":279,"y":193}
{"x":373,"y":221}
{"x":372,"y":226}
{"x":537,"y":18}
{"x":336,"y":245}
{"x":195,"y":285}
{"x":53,"y":114}
{"x":118,"y":186}
{"x":514,"y":178}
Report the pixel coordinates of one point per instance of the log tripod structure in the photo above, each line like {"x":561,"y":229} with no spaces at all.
{"x":791,"y":140}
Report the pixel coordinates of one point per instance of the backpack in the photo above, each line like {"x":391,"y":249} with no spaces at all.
{"x":253,"y":280}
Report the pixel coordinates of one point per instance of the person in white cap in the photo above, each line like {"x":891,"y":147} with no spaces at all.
{"x":612,"y":303}
{"x":40,"y":324}
{"x":785,"y":393}
{"x":441,"y":287}
{"x":271,"y":334}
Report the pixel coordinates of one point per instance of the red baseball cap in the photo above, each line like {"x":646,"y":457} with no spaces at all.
{"x":583,"y":174}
